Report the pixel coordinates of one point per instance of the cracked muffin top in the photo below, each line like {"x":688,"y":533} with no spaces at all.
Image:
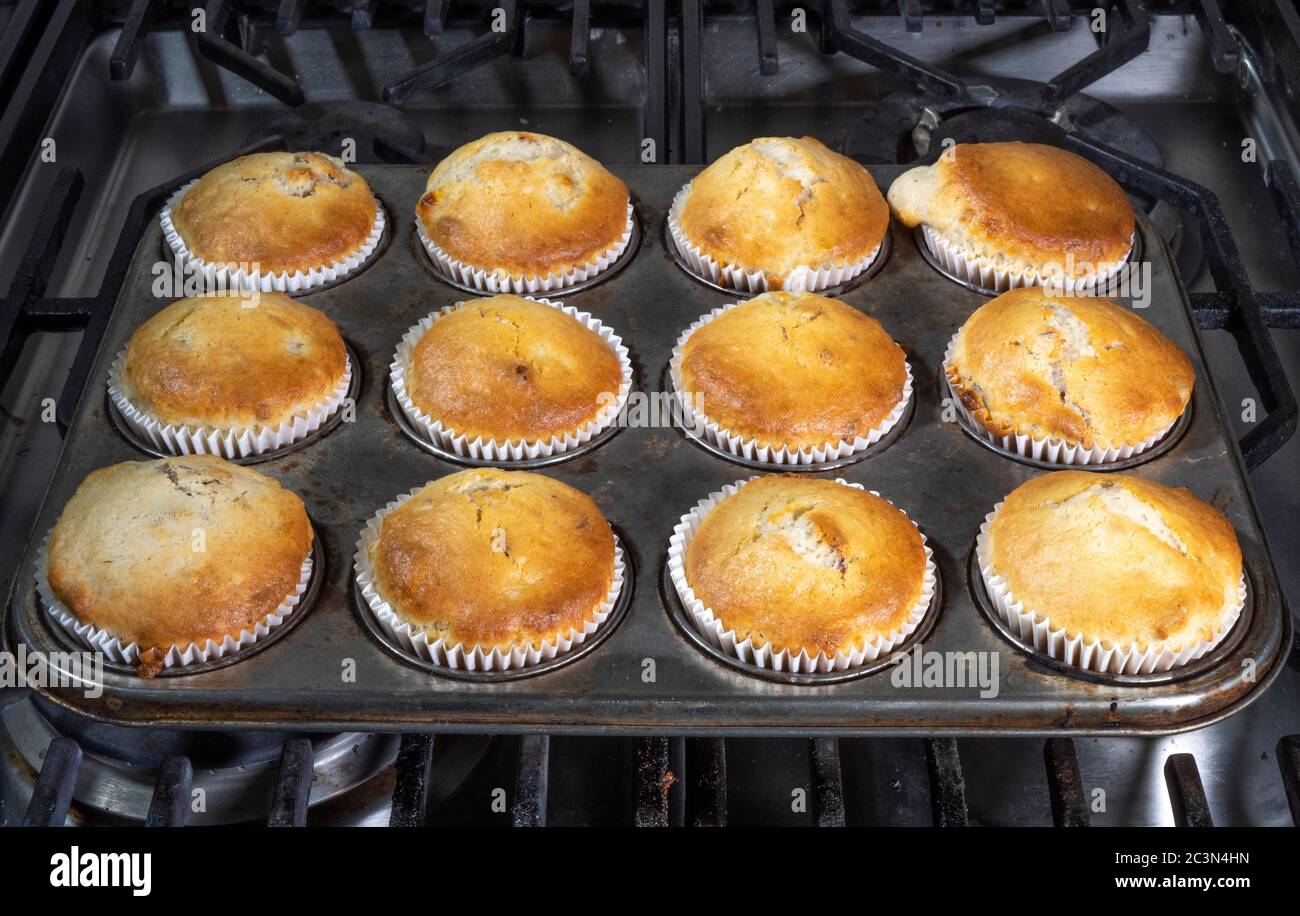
{"x":794,"y":369}
{"x":283,"y":212}
{"x":177,"y":551}
{"x":509,"y":368}
{"x":807,"y":564}
{"x":495,"y":559}
{"x":1080,"y":369}
{"x":523,"y":204}
{"x":1027,"y":206}
{"x":1116,"y":557}
{"x":233,"y":361}
{"x":779,"y":203}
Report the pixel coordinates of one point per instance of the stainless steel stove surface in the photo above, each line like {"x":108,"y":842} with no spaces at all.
{"x":178,"y":110}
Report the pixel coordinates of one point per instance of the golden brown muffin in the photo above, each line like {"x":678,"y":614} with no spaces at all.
{"x":508,"y":368}
{"x":1116,"y":557}
{"x":1076,"y":368}
{"x":283,"y":212}
{"x":794,"y":369}
{"x":523,"y":204}
{"x":778,"y":203}
{"x":1026,"y":206}
{"x":804,"y":563}
{"x":233,"y":361}
{"x":495,"y":559}
{"x":177,"y":551}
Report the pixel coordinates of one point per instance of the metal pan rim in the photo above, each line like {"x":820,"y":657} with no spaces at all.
{"x":918,"y":235}
{"x":123,"y":429}
{"x":677,"y":612}
{"x":882,"y":257}
{"x":1207,"y":662}
{"x":616,"y":616}
{"x":305,"y":605}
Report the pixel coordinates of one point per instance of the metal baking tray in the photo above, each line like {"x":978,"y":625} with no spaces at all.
{"x":648,"y":674}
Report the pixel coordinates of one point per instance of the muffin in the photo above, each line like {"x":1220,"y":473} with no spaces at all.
{"x":505,"y":378}
{"x":522,"y":212}
{"x":833,"y":576}
{"x":231,"y":375}
{"x":176,"y":561}
{"x":790,"y":378}
{"x":274,"y":221}
{"x":1112,"y":573}
{"x":1070,"y":380}
{"x":780,"y":213}
{"x":489,"y":570}
{"x":1005,"y":215}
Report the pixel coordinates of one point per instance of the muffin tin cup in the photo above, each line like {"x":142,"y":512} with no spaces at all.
{"x":1049,"y":452}
{"x":231,"y":277}
{"x":983,"y":274}
{"x":176,"y":659}
{"x":749,"y":450}
{"x":511,"y":452}
{"x":488,"y":281}
{"x":725,"y":640}
{"x":416,"y":645}
{"x":737,"y":278}
{"x":1035,"y":631}
{"x":239,"y":443}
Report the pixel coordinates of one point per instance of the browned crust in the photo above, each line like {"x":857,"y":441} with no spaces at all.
{"x":282,"y":212}
{"x":794,"y":369}
{"x":866,"y":582}
{"x":511,"y":368}
{"x":230,"y":361}
{"x":778,"y":203}
{"x":523,"y":204}
{"x":1017,"y":366}
{"x":495,"y":559}
{"x":1099,"y":573}
{"x":1027,"y":205}
{"x":123,"y":554}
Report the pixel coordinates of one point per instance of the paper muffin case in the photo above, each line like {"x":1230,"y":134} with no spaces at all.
{"x":803,"y":278}
{"x":233,"y":277}
{"x":988,"y":274}
{"x":1053,"y":451}
{"x":232,"y":442}
{"x":750,"y":448}
{"x":489,"y":280}
{"x":762,"y":656}
{"x":96,"y":639}
{"x":507,"y":450}
{"x":416,"y":643}
{"x":1089,"y":653}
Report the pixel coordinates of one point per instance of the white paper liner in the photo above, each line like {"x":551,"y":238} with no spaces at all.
{"x":496,"y":280}
{"x":1053,"y":451}
{"x":762,"y":656}
{"x":233,"y":442}
{"x":507,"y":450}
{"x":751,"y":449}
{"x":415,"y":642}
{"x":233,"y":277}
{"x":988,"y":274}
{"x":804,"y":278}
{"x":114,"y":650}
{"x":1035,"y":630}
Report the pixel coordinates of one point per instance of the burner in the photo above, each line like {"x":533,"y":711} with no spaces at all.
{"x":323,"y":127}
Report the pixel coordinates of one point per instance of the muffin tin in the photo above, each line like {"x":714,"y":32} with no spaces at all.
{"x":646,"y":674}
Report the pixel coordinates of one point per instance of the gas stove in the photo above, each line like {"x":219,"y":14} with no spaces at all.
{"x":108,"y":101}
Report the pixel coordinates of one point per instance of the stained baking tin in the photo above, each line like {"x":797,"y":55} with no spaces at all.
{"x":647,"y":676}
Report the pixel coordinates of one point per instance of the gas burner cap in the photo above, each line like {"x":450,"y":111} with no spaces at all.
{"x":324,"y":126}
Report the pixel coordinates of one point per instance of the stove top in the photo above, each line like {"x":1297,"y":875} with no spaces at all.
{"x":109,"y":100}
